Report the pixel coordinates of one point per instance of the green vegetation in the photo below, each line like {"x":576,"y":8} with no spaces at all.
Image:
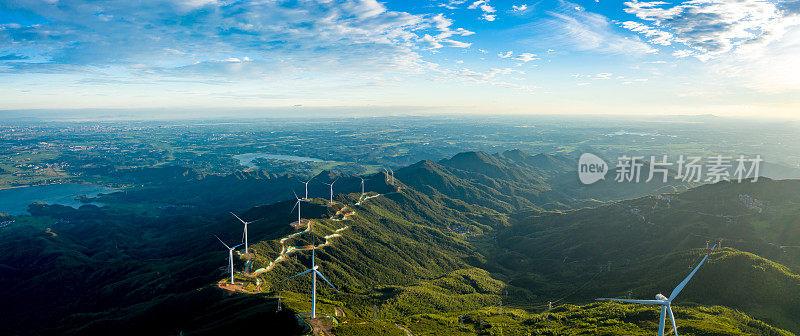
{"x":444,"y":252}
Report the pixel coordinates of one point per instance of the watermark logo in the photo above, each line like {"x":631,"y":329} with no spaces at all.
{"x":591,"y":168}
{"x":637,"y":169}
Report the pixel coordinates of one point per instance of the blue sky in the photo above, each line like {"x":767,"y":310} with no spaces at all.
{"x":614,"y":57}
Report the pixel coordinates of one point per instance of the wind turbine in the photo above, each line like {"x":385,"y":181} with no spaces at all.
{"x":331,"y":185}
{"x":230,"y":256}
{"x":390,"y":172}
{"x":362,"y":185}
{"x":297,"y":205}
{"x":306,"y":183}
{"x":245,"y":230}
{"x":665,"y":302}
{"x":315,"y":271}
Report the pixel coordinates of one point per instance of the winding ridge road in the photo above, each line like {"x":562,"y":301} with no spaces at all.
{"x":287,"y":250}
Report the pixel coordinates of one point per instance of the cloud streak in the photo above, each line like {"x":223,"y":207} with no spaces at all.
{"x":587,"y":31}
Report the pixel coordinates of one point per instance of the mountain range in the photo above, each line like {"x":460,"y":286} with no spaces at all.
{"x":474,"y":244}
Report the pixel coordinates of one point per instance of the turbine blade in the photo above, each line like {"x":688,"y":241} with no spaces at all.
{"x":236,"y":246}
{"x":683,"y":283}
{"x":647,"y":302}
{"x":326,"y":280}
{"x":672,"y":318}
{"x":295,"y":206}
{"x":299,"y":274}
{"x":237,"y":217}
{"x":661,"y":321}
{"x":223,"y":243}
{"x":295,"y":195}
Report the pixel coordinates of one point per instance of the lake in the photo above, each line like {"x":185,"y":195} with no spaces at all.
{"x":15,"y":200}
{"x":247,"y":159}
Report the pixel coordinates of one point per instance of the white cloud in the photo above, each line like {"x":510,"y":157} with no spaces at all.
{"x":192,"y":4}
{"x":442,"y":39}
{"x":487,"y":9}
{"x":429,"y":42}
{"x":682,"y":53}
{"x":519,"y":8}
{"x":772,"y":68}
{"x":452,"y":4}
{"x":655,"y":36}
{"x":475,"y":4}
{"x":710,"y":28}
{"x":597,"y":76}
{"x":237,"y":60}
{"x":456,"y":44}
{"x":526,"y":57}
{"x":507,"y":54}
{"x":603,"y":75}
{"x":464,"y":32}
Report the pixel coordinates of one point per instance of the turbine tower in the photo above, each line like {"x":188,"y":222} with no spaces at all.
{"x":665,"y":302}
{"x":315,"y":272}
{"x":331,"y":185}
{"x":306,"y":183}
{"x":297,"y":205}
{"x":230,"y":256}
{"x":362,"y":185}
{"x":246,"y":250}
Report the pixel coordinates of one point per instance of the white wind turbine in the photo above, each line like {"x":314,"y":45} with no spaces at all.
{"x":306,"y":183}
{"x":665,"y":302}
{"x":362,"y":185}
{"x":246,"y":250}
{"x":315,"y":271}
{"x":331,"y":185}
{"x":297,"y":205}
{"x":230,"y":256}
{"x":390,"y":173}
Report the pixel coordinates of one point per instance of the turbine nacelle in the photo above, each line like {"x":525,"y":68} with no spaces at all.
{"x":661,"y":297}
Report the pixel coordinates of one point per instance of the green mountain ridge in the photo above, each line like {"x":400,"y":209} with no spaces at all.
{"x":437,"y":254}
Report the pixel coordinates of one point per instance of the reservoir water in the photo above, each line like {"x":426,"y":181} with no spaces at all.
{"x":247,"y":159}
{"x":15,"y":201}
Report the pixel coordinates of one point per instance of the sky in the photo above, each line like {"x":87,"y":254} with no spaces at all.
{"x":726,"y":57}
